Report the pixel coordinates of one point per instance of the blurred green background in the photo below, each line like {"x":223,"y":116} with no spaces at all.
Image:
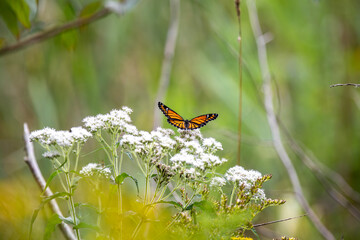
{"x":116,"y":62}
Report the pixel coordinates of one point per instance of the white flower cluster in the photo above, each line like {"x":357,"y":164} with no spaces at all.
{"x":239,"y":176}
{"x":116,"y":120}
{"x":217,"y":182}
{"x":152,"y":144}
{"x":94,"y":169}
{"x":51,"y":154}
{"x":197,"y":153}
{"x":65,"y":139}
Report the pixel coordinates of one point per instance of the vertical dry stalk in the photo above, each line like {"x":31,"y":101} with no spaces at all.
{"x":168,"y":57}
{"x":30,"y":160}
{"x":238,"y":13}
{"x":273,"y":124}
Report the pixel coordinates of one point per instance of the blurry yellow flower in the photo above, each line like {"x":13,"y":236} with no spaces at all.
{"x":241,"y":238}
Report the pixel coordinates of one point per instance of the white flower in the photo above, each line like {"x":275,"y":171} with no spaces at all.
{"x":130,"y":140}
{"x":259,"y":195}
{"x":190,"y":135}
{"x":93,"y":169}
{"x":145,"y":136}
{"x":238,"y":175}
{"x":212,"y":144}
{"x":80,"y":134}
{"x":162,"y":138}
{"x":49,"y":136}
{"x":194,"y":147}
{"x":63,"y":138}
{"x":210,"y":160}
{"x":43,"y":136}
{"x":217,"y":182}
{"x":116,"y":120}
{"x":93,"y":124}
{"x":127,"y":110}
{"x":191,"y":173}
{"x":181,"y":159}
{"x":51,"y":154}
{"x":130,"y":129}
{"x":121,"y":114}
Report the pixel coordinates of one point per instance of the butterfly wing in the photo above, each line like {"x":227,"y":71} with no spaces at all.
{"x":201,"y":120}
{"x":177,"y":123}
{"x":169,"y":113}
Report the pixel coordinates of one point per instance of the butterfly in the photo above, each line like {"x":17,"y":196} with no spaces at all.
{"x":177,"y":121}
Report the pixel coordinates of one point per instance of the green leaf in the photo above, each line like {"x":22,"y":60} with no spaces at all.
{"x":50,"y":226}
{"x":75,"y":182}
{"x":42,"y":204}
{"x":69,"y":220}
{"x":120,"y":180}
{"x":175,"y":204}
{"x":203,"y":205}
{"x":86,"y":225}
{"x":90,"y":9}
{"x":88,"y":205}
{"x":9,"y":17}
{"x":69,"y":39}
{"x":50,"y":179}
{"x":65,"y":161}
{"x":22,"y":11}
{"x":129,"y":155}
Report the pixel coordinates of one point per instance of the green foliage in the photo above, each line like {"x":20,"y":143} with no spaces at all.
{"x":53,"y":221}
{"x":183,"y":164}
{"x":14,"y":12}
{"x":117,"y":61}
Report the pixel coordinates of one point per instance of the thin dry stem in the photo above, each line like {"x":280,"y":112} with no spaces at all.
{"x":324,"y":178}
{"x":277,"y":221}
{"x":37,"y":38}
{"x":345,"y":84}
{"x":238,"y":13}
{"x":273,"y":124}
{"x":30,"y":160}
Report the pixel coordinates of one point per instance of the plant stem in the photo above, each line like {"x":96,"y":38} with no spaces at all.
{"x":76,"y":160}
{"x":120,"y":210}
{"x":98,"y":222}
{"x":238,"y":13}
{"x":232,"y":195}
{"x":72,"y":206}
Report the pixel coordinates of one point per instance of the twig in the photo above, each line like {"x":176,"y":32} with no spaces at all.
{"x":168,"y":57}
{"x":238,"y":14}
{"x":317,"y":169}
{"x":345,"y":84}
{"x":30,"y":160}
{"x":273,"y":124}
{"x":53,"y":32}
{"x":277,"y":221}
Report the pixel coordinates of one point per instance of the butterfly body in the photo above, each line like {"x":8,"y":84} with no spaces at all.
{"x":177,"y":121}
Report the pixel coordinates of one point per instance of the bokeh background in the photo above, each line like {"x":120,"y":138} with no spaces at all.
{"x":117,"y":61}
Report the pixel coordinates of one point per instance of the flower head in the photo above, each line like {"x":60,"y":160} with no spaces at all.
{"x":217,"y":182}
{"x":95,"y":169}
{"x":115,"y":121}
{"x":51,"y":154}
{"x":238,"y":175}
{"x":211,"y":145}
{"x":80,"y":134}
{"x":65,"y":139}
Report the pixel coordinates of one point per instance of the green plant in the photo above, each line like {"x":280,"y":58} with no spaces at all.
{"x":178,"y":189}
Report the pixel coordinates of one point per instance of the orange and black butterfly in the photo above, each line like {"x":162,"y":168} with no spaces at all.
{"x":177,"y":121}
